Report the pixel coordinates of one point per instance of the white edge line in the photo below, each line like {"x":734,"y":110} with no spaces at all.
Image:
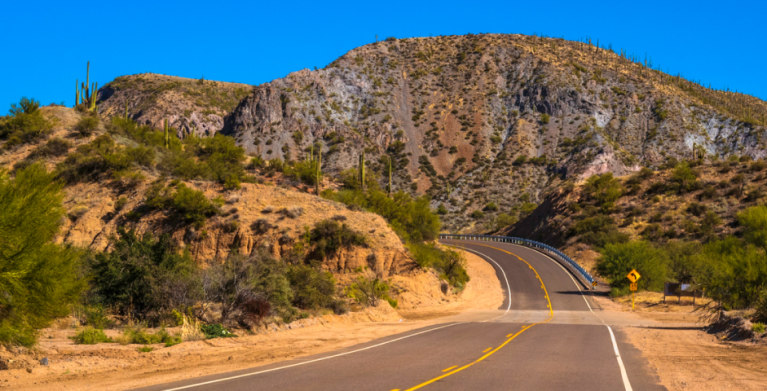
{"x":508,"y":286}
{"x":624,"y":374}
{"x":310,"y":361}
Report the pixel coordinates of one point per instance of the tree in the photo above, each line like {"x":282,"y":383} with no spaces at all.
{"x":754,"y":220}
{"x":619,"y":258}
{"x":39,"y":280}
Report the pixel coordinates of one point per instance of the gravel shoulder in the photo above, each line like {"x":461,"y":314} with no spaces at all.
{"x":682,"y":354}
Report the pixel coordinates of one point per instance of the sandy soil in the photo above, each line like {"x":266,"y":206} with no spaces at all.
{"x":115,"y":367}
{"x":690,"y":359}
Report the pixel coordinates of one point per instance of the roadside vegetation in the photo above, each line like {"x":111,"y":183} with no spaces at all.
{"x":681,"y":225}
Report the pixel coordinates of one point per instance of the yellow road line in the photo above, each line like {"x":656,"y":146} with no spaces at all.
{"x":487,"y":350}
{"x":506,"y":342}
{"x":447,"y":369}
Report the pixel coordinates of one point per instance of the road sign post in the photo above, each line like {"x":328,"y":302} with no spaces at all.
{"x":633,"y":276}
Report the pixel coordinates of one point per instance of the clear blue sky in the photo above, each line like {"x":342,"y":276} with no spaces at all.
{"x":45,"y":44}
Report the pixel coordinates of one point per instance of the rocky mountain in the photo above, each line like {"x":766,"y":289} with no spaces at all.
{"x":191,"y":106}
{"x":485,"y":124}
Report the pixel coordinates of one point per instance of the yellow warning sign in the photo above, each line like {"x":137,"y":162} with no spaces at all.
{"x":633,"y":275}
{"x":594,"y":283}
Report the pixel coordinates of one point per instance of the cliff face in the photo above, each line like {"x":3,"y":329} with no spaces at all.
{"x":492,"y":121}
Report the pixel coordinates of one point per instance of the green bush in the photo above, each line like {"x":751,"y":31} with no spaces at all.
{"x":54,"y":147}
{"x":182,"y":203}
{"x":90,"y":336}
{"x":39,"y":279}
{"x":25,"y":124}
{"x":618,"y":259}
{"x":145,"y":349}
{"x":684,"y":178}
{"x":603,"y":190}
{"x":86,"y":125}
{"x":93,"y":160}
{"x":312,"y":289}
{"x":142,"y":277}
{"x":328,"y":236}
{"x":758,"y":328}
{"x":449,"y":264}
{"x":411,"y":218}
{"x":477,"y":214}
{"x":216,"y":330}
{"x":368,"y":291}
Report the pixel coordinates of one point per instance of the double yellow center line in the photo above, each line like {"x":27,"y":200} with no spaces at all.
{"x":510,"y":337}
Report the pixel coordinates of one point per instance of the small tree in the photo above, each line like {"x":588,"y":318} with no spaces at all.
{"x":39,"y":280}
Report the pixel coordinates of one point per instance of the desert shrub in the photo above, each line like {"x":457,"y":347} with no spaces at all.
{"x":684,"y":179}
{"x":240,"y":280}
{"x":25,"y":124}
{"x":504,"y":220}
{"x":142,"y":277}
{"x":618,"y":259}
{"x":368,"y":291}
{"x":39,"y":279}
{"x":145,"y":349}
{"x":303,"y":170}
{"x":54,"y":147}
{"x":733,"y":273}
{"x":86,"y":125}
{"x":491,"y":207}
{"x":328,"y":236}
{"x":449,"y":264}
{"x":598,"y":230}
{"x":477,"y":214}
{"x":603,"y":190}
{"x":95,"y":159}
{"x":216,"y":330}
{"x":93,"y":315}
{"x":90,"y":336}
{"x":754,"y":221}
{"x":312,"y":289}
{"x":182,"y":203}
{"x":760,"y":315}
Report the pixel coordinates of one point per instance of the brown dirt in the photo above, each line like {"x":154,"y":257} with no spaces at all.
{"x":690,"y":359}
{"x":114,"y":366}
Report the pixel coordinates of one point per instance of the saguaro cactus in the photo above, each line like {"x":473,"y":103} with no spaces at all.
{"x":77,"y":92}
{"x":388,"y":188}
{"x":361,"y":169}
{"x":318,"y":172}
{"x":167,"y":135}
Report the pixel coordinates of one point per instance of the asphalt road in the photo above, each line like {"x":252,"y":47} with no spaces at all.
{"x":547,"y":335}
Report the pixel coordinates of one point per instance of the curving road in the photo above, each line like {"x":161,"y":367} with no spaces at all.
{"x":547,"y":335}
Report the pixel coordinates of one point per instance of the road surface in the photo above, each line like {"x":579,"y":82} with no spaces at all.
{"x":547,"y":335}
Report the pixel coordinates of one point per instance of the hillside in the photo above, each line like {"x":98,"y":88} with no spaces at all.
{"x":490,"y":121}
{"x":693,"y":202}
{"x":192,"y":106}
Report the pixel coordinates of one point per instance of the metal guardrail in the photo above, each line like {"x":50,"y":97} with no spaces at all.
{"x":527,"y":243}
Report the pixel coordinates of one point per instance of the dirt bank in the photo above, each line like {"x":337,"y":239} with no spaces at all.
{"x":686,"y":358}
{"x":117,"y":367}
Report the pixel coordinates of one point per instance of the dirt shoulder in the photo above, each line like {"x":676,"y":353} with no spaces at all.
{"x":117,"y":367}
{"x":688,"y":358}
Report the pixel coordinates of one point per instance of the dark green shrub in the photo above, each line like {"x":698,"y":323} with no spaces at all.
{"x":684,"y":178}
{"x":603,"y":190}
{"x":328,"y":236}
{"x":477,"y":214}
{"x":312,"y":289}
{"x":39,"y":279}
{"x":216,"y":330}
{"x":86,"y":125}
{"x":143,"y":277}
{"x":54,"y":147}
{"x":491,"y":207}
{"x":25,"y":124}
{"x":91,"y":336}
{"x":182,"y":203}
